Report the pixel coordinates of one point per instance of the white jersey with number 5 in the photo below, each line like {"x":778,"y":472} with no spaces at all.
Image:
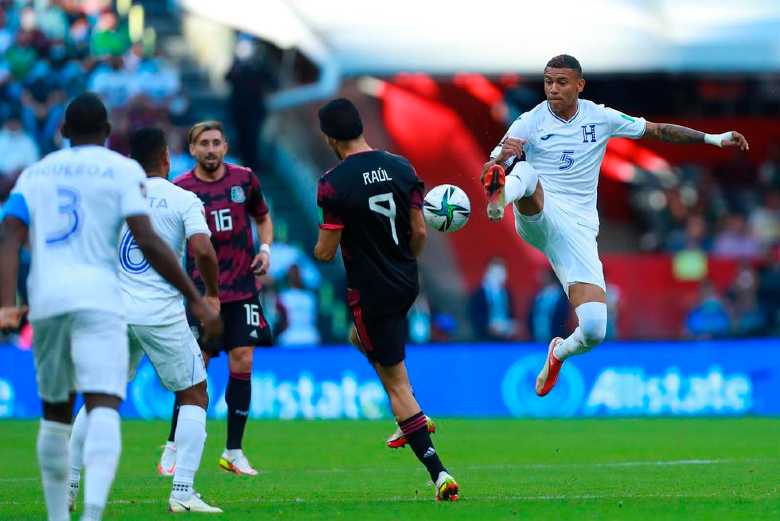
{"x":176,"y":216}
{"x":568,"y":154}
{"x":77,"y":200}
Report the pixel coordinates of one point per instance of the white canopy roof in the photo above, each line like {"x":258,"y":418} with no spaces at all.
{"x":496,"y":36}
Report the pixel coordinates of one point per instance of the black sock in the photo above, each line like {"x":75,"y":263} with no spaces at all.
{"x":415,"y":429}
{"x":237,"y":397}
{"x":174,"y":420}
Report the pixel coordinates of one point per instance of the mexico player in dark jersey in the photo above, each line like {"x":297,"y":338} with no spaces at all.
{"x":232,"y":199}
{"x":371,"y":206}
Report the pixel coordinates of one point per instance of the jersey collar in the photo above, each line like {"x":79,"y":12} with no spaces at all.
{"x":556,"y":116}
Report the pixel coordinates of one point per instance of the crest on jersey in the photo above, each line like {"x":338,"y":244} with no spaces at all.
{"x":237,"y":194}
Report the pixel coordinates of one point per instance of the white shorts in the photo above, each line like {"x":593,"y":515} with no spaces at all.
{"x":173,"y":351}
{"x":82,"y":351}
{"x":568,"y":242}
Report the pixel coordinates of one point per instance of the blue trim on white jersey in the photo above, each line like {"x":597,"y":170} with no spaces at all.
{"x":556,"y":116}
{"x":16,"y":206}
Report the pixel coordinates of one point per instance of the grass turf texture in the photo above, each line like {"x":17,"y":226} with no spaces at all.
{"x":507,"y":469}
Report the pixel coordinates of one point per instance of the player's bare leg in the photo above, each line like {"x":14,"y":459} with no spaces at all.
{"x":396,"y":440}
{"x":589,"y":302}
{"x":238,"y":396}
{"x":413,"y":423}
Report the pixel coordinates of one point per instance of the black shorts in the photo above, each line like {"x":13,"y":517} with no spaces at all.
{"x":244,"y":325}
{"x":383,"y":337}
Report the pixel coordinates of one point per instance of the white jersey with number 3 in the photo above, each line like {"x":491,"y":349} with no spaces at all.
{"x":77,"y":199}
{"x":176,"y":215}
{"x":568,"y":154}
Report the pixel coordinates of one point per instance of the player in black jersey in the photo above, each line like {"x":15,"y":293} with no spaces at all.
{"x":371,"y":206}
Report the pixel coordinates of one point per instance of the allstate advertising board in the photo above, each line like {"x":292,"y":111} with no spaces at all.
{"x":616,"y":379}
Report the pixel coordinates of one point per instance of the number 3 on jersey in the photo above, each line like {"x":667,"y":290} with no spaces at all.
{"x":223,"y":221}
{"x":71,"y":210}
{"x":387,"y":211}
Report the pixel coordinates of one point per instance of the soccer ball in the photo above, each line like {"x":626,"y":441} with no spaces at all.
{"x":446,"y":208}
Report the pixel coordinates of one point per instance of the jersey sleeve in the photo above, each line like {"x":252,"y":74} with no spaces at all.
{"x":519,"y":129}
{"x":327,"y":200}
{"x":621,"y":125}
{"x":16,"y":205}
{"x":195,"y":217}
{"x":132,"y":195}
{"x":417,"y":193}
{"x":256,"y":205}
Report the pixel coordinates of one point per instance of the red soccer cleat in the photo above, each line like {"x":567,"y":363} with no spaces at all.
{"x":494,"y":181}
{"x":549,"y":373}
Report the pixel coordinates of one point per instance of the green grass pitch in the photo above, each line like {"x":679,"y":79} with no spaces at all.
{"x":648,"y":469}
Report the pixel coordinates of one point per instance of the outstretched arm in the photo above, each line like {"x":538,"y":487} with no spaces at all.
{"x":671,"y":133}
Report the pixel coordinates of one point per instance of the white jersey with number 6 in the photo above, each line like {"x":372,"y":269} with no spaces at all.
{"x":77,"y":199}
{"x":176,"y":216}
{"x":568,"y":154}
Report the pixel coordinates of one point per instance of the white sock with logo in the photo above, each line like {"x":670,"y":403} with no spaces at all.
{"x":52,"y":448}
{"x":77,"y":437}
{"x":102,"y":447}
{"x":190,"y":439}
{"x":521,"y":182}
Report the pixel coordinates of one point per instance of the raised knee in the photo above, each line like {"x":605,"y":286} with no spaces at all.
{"x":593,"y":322}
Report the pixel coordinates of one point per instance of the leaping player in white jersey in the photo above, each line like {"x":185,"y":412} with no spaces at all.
{"x":553,"y":192}
{"x":157,"y":324}
{"x":72,"y":205}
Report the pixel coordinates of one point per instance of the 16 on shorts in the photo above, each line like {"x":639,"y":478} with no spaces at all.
{"x":244,"y":325}
{"x":172,"y":350}
{"x":568,"y":242}
{"x":82,"y":351}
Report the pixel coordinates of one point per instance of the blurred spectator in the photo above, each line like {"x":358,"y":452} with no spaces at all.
{"x":273,"y":310}
{"x":709,"y":317}
{"x":301,"y":310}
{"x":765,"y":220}
{"x":769,"y":291}
{"x":251,"y":78}
{"x":769,"y":170}
{"x":693,"y":237}
{"x":614,"y":303}
{"x":735,"y":241}
{"x":491,"y":307}
{"x":42,"y":110}
{"x":181,"y":160}
{"x":419,"y":319}
{"x":749,"y":317}
{"x":109,"y":39}
{"x":6,"y":34}
{"x":112,"y":83}
{"x":549,"y":311}
{"x":17,"y":151}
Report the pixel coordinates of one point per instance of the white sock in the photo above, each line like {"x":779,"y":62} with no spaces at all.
{"x":102,"y":447}
{"x":52,"y":450}
{"x":77,"y":436}
{"x":521,"y":182}
{"x":591,"y":331}
{"x":190,"y":437}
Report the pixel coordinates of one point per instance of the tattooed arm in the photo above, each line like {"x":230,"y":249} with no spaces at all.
{"x":678,"y":134}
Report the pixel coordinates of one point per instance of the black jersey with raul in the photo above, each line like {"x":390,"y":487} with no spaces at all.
{"x":368,"y":197}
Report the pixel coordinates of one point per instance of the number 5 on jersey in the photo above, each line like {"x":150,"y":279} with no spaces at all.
{"x":223,"y":221}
